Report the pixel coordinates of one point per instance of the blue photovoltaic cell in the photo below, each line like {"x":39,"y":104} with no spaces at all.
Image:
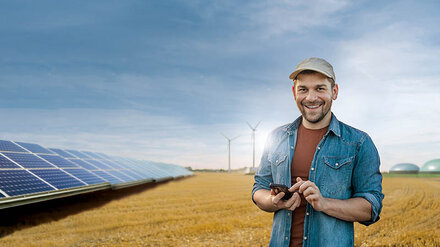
{"x":20,"y":182}
{"x":91,"y":154}
{"x":100,"y":165}
{"x":5,"y":163}
{"x":10,"y":146}
{"x":112,"y":164}
{"x":28,"y":160}
{"x":83,"y":164}
{"x":108,"y":177}
{"x":78,"y":154}
{"x":58,"y":178}
{"x":62,"y":153}
{"x":34,"y":148}
{"x":133,"y":174}
{"x":121,"y":176}
{"x":58,"y":161}
{"x":85,"y":175}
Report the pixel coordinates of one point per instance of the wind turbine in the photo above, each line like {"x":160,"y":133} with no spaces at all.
{"x":229,"y":150}
{"x":253,"y":141}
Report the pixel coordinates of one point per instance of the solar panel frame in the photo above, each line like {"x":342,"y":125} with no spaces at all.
{"x":58,"y":178}
{"x":6,"y":163}
{"x":9,"y":146}
{"x":58,"y":161}
{"x":110,"y":178}
{"x":98,"y":164}
{"x":23,"y":182}
{"x":85,"y":175}
{"x":34,"y":148}
{"x":84,"y":164}
{"x":62,"y":153}
{"x":77,"y":154}
{"x":91,"y":154}
{"x":28,"y":160}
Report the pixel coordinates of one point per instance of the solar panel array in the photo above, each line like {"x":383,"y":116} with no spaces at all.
{"x":28,"y":169}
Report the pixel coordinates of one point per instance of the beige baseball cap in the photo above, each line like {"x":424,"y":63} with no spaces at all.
{"x":316,"y":64}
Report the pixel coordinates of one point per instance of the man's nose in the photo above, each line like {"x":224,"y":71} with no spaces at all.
{"x":311,"y":95}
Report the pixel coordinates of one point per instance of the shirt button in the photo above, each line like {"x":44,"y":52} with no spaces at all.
{"x":336,"y":164}
{"x":288,"y":214}
{"x":307,"y":213}
{"x":287,"y":238}
{"x":319,"y":147}
{"x":291,"y":147}
{"x":312,"y":169}
{"x":305,"y":238}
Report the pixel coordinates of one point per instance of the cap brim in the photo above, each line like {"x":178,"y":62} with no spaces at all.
{"x":296,"y":72}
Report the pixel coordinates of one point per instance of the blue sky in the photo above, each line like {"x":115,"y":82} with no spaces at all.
{"x":160,"y":80}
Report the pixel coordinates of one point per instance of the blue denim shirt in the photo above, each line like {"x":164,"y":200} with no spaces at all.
{"x":345,"y":165}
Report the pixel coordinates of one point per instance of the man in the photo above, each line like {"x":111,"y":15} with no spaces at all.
{"x":332,"y":168}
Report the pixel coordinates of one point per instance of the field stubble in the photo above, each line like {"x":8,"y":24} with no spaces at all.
{"x":215,"y":209}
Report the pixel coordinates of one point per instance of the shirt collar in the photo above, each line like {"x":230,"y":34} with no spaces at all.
{"x":334,"y":126}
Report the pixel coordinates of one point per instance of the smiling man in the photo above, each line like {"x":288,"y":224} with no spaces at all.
{"x":332,"y":168}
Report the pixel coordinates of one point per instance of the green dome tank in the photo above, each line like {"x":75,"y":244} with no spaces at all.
{"x":405,"y":168}
{"x":432,"y":166}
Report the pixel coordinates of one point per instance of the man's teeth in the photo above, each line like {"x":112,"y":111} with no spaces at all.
{"x":312,"y":106}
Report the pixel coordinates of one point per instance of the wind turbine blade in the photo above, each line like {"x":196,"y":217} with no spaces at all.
{"x":235,"y":137}
{"x":250,"y":126}
{"x":224,"y":136}
{"x":257,"y":124}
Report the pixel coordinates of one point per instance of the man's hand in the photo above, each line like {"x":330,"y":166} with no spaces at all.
{"x":311,"y":193}
{"x":268,"y":201}
{"x":290,"y":204}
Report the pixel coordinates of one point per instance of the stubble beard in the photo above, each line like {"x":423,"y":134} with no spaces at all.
{"x":316,"y":118}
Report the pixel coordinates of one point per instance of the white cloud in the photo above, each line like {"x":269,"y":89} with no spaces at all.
{"x":389,"y":86}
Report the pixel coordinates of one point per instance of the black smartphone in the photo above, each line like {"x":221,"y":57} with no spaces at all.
{"x":277,"y":188}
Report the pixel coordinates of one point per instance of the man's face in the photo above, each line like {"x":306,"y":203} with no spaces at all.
{"x":314,"y":95}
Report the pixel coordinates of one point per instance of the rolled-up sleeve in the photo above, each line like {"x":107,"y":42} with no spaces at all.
{"x":263,"y":176}
{"x":367,"y":179}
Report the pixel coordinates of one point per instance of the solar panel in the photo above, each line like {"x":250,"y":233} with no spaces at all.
{"x":92,"y":155}
{"x":99,"y":164}
{"x":62,"y":153}
{"x":58,"y":178}
{"x":108,"y":177}
{"x":35,"y":148}
{"x":10,"y":146}
{"x":78,"y":154}
{"x":5,"y":163}
{"x":58,"y":161}
{"x":83,"y":164}
{"x":20,"y":182}
{"x":29,"y":172}
{"x":85,"y":175}
{"x":28,"y":160}
{"x":133,"y":174}
{"x":120,"y":175}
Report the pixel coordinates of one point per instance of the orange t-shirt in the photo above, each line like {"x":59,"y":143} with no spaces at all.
{"x":305,"y":148}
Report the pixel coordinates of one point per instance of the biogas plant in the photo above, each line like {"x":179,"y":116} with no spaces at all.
{"x":430,"y":167}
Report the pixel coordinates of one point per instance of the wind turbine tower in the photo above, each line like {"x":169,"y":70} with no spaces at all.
{"x":253,"y":141}
{"x":229,"y":150}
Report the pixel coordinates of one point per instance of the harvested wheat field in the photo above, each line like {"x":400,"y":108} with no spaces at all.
{"x":209,"y":209}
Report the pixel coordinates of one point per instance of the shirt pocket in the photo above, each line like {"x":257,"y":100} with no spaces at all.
{"x":278,"y":163}
{"x":276,"y":158}
{"x":336,"y":182}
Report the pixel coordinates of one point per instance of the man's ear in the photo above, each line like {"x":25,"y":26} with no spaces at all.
{"x":335,"y":92}
{"x":293,"y":90}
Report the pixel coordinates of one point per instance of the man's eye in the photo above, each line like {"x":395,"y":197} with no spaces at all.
{"x":321,"y":89}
